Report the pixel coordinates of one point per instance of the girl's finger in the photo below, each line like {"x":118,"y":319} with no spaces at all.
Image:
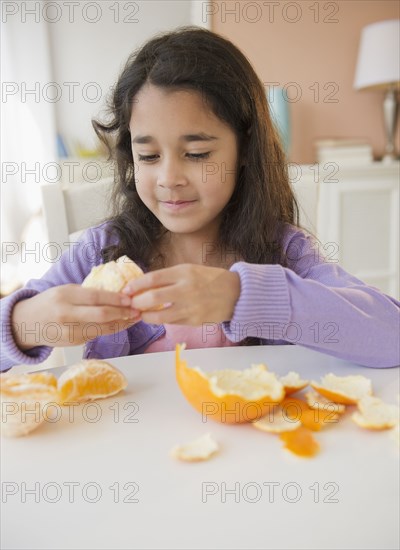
{"x":170,"y":315}
{"x":153,"y":279}
{"x":97,"y":297}
{"x":155,"y":298}
{"x":105,"y":314}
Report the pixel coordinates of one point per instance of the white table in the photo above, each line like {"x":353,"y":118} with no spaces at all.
{"x":226,"y":502}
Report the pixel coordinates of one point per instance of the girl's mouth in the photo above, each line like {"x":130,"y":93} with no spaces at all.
{"x":177,"y":205}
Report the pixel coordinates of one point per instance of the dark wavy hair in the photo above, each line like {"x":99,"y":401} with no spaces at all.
{"x":192,"y":58}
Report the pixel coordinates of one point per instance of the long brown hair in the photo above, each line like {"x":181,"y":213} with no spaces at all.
{"x":192,"y":58}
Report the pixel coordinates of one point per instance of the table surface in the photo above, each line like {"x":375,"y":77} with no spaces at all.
{"x":104,"y":478}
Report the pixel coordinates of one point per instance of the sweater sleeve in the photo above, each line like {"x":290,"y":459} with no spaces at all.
{"x":73,"y":266}
{"x":316,"y":304}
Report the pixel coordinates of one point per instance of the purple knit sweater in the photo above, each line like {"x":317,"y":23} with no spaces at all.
{"x":312,"y":303}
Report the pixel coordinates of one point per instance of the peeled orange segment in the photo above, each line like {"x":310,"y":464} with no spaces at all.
{"x":129,"y":269}
{"x":347,"y":390}
{"x":114,"y":275}
{"x":300,"y":442}
{"x":374,"y":414}
{"x":23,"y":399}
{"x":297,"y":409}
{"x":292,"y":382}
{"x":90,"y":379}
{"x":276,"y":422}
{"x":316,"y":401}
{"x":16,"y":383}
{"x":228,"y":396}
{"x":199,"y":449}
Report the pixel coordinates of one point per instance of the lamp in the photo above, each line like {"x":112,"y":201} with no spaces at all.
{"x":279,"y":109}
{"x":378,"y":68}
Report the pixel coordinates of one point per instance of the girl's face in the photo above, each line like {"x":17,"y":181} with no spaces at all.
{"x":185,"y":159}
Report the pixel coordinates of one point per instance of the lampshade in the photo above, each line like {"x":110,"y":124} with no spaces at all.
{"x":378,"y":63}
{"x":279,"y":109}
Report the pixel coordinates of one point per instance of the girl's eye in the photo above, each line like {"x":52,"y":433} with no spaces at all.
{"x":147,"y":158}
{"x":199,"y":156}
{"x":193,"y":156}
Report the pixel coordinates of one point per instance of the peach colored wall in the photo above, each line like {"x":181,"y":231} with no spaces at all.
{"x":308,"y":52}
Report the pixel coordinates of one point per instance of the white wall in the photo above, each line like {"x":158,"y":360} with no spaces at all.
{"x":47,"y":44}
{"x":28,"y":142}
{"x":94,"y":52}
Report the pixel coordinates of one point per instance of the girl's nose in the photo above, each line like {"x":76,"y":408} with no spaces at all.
{"x":171,"y":174}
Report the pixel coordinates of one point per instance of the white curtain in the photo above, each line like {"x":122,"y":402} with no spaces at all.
{"x":28,"y":143}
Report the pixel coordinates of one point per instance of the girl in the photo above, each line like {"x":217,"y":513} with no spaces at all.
{"x":203,"y":204}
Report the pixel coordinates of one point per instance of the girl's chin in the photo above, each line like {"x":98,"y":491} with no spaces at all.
{"x":180,"y":228}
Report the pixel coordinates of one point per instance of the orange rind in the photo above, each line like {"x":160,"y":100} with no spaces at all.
{"x":317,"y":401}
{"x":276,"y":422}
{"x":297,"y":409}
{"x":292,"y":431}
{"x":228,"y":396}
{"x":90,"y":379}
{"x":374,"y":414}
{"x":346,"y":390}
{"x":300,"y":442}
{"x":200,"y":449}
{"x":23,"y":399}
{"x":293,"y":383}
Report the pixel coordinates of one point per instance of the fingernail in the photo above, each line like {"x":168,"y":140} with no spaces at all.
{"x":126,"y":290}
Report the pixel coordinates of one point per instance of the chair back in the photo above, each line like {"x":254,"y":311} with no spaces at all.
{"x":68,"y":211}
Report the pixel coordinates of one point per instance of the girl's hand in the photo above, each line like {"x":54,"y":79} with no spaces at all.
{"x":69,"y":315}
{"x":195,"y":294}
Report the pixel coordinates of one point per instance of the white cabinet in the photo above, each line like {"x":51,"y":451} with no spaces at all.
{"x":354,"y":212}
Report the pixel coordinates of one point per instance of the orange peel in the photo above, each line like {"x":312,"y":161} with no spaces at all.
{"x":276,"y":422}
{"x":90,"y":379}
{"x":346,"y":390}
{"x":300,"y":442}
{"x":317,"y":401}
{"x":228,"y":396}
{"x":200,"y":449}
{"x":374,"y":414}
{"x":293,"y":383}
{"x":297,"y":409}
